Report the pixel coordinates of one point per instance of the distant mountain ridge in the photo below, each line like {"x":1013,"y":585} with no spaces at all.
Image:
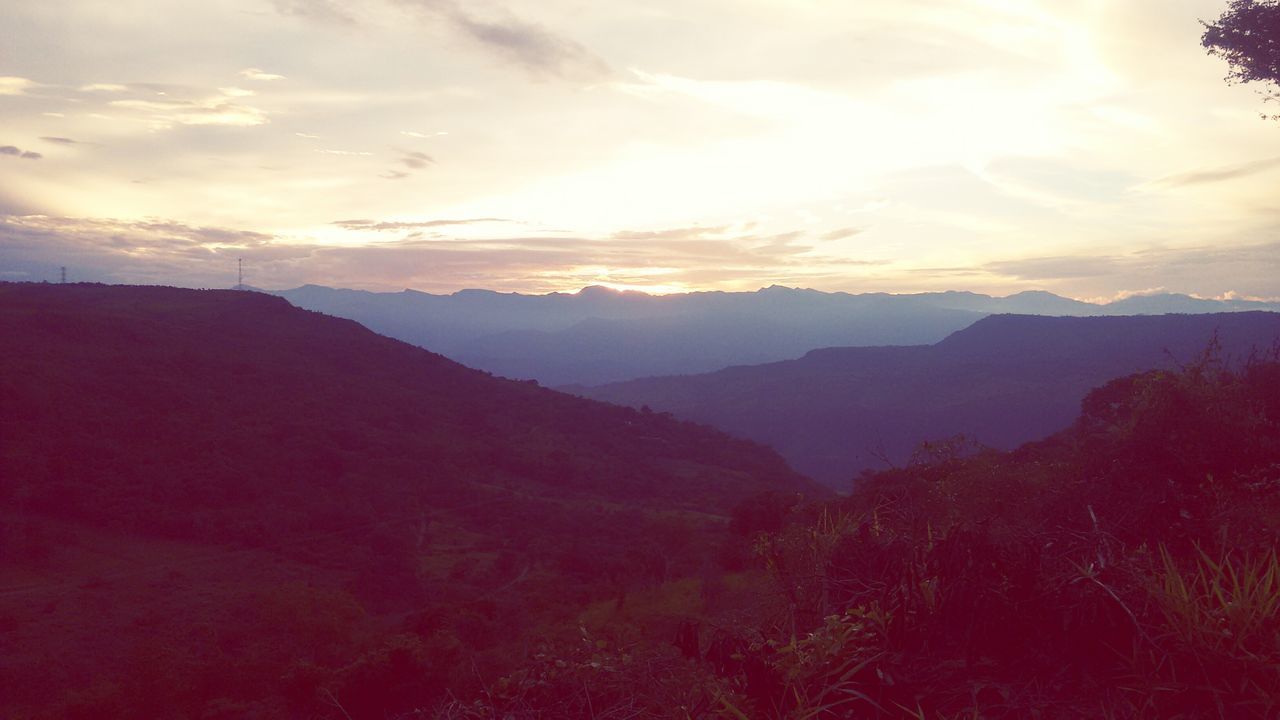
{"x":599,"y":335}
{"x":1005,"y":380}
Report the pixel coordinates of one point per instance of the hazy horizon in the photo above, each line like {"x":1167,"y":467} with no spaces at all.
{"x":52,"y":275}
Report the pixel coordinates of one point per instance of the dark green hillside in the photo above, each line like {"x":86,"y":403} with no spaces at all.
{"x":214,"y":490}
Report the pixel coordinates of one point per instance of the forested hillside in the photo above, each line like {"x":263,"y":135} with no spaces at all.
{"x":212,"y":499}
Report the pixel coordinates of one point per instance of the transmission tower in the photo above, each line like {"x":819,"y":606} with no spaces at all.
{"x":64,"y":274}
{"x":240,"y":270}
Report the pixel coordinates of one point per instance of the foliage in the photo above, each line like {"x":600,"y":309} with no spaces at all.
{"x":1221,"y":632}
{"x":593,"y":677}
{"x":1126,"y":568}
{"x":821,"y":674}
{"x":1247,"y":36}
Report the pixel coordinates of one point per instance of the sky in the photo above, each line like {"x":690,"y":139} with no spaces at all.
{"x":1085,"y":147}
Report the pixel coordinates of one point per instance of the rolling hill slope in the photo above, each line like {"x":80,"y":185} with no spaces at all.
{"x":206,"y":493}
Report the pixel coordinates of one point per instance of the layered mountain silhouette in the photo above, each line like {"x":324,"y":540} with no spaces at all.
{"x":600,"y":335}
{"x":1005,"y":380}
{"x":203,"y":487}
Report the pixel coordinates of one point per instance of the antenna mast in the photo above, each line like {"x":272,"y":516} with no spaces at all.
{"x":240,"y":269}
{"x":64,"y":274}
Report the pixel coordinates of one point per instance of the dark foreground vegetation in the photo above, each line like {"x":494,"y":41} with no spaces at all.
{"x":1124,"y":568}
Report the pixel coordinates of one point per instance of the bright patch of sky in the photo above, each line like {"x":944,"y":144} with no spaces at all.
{"x":1086,"y":147}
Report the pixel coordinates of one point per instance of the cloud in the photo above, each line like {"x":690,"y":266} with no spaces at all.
{"x":385,"y":226}
{"x":148,"y":251}
{"x":257,"y":74}
{"x":165,"y":106}
{"x":215,"y":110}
{"x":348,"y":153}
{"x":416,"y":160}
{"x":60,"y":140}
{"x":412,"y":134}
{"x":695,"y":232}
{"x":1055,"y":183}
{"x":323,"y":10}
{"x":104,"y":87}
{"x":1249,"y":268}
{"x":412,"y":161}
{"x":706,"y":242}
{"x":840,"y":234}
{"x":1126,"y":294}
{"x":1054,"y":268}
{"x":557,"y":263}
{"x":1220,"y":174}
{"x":19,"y":153}
{"x":10,"y":85}
{"x":948,"y":272}
{"x":528,"y":45}
{"x":12,"y":205}
{"x":154,"y":234}
{"x":170,"y":252}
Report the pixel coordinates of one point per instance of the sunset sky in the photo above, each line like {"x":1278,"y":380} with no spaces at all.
{"x":1087,"y":147}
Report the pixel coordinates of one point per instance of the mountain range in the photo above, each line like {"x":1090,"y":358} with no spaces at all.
{"x":1005,"y":380}
{"x":599,"y":335}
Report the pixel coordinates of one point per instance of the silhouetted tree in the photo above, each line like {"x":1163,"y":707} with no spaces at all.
{"x":1248,"y":37}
